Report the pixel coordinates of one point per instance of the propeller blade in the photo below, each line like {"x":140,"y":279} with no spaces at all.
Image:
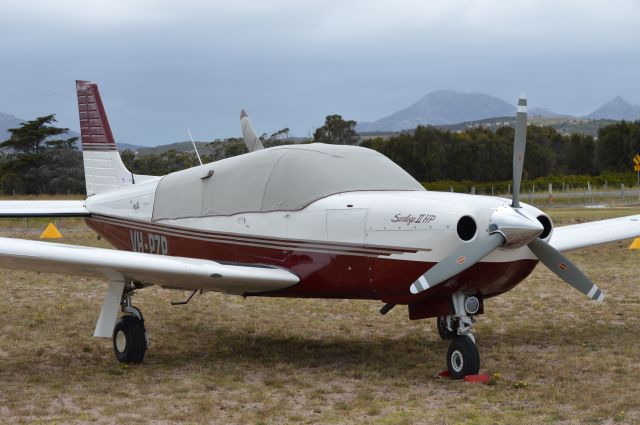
{"x":565,"y":269}
{"x":249,"y":135}
{"x":519,"y":146}
{"x":457,"y":262}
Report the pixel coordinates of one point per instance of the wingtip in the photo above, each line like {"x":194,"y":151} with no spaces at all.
{"x":243,"y":114}
{"x":414,"y":290}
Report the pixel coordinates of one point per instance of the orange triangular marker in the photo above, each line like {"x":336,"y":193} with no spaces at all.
{"x":635,"y":244}
{"x":51,"y":232}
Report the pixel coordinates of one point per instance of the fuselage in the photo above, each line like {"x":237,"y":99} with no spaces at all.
{"x":360,"y":244}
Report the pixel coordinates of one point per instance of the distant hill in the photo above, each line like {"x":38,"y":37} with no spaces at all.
{"x":204,"y":148}
{"x":564,"y":124}
{"x":544,"y":112}
{"x":441,"y":108}
{"x":616,"y":109}
{"x":6,"y":122}
{"x":129,"y":147}
{"x":456,"y":111}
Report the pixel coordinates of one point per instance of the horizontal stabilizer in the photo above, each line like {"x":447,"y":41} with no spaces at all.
{"x":163,"y":270}
{"x":43,"y":209}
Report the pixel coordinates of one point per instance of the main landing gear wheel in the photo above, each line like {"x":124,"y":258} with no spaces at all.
{"x":462,"y":357}
{"x":129,"y":339}
{"x":443,"y":329}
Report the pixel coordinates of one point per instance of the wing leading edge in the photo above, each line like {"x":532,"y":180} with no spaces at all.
{"x":583,"y":235}
{"x":162,"y":270}
{"x":43,"y":209}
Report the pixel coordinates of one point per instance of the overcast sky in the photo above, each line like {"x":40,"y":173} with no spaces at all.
{"x":163,"y":66}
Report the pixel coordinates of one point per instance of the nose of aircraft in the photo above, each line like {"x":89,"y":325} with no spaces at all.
{"x":518,"y":226}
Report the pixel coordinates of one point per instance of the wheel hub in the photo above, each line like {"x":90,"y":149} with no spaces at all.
{"x":457,"y":362}
{"x":121,"y":341}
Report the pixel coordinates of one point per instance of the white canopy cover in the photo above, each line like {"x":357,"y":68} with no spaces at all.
{"x":282,"y":178}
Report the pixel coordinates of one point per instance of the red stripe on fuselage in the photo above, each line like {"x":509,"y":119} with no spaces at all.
{"x":336,"y":271}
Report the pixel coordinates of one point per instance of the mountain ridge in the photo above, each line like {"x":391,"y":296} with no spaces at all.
{"x":616,"y":109}
{"x":6,"y":122}
{"x":441,"y":107}
{"x":449,"y":107}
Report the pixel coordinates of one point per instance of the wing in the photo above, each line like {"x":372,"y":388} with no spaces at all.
{"x":162,"y":270}
{"x":43,"y":209}
{"x":584,"y":235}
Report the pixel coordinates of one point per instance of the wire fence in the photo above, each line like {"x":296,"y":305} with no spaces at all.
{"x":589,"y":196}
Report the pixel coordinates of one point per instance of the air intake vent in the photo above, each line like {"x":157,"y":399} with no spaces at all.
{"x":546,"y":223}
{"x":466,"y":228}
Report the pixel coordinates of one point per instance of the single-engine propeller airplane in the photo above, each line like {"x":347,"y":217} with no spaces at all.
{"x":312,"y":220}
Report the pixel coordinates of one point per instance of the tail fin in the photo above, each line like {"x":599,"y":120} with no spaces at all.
{"x":249,"y":134}
{"x":103,"y":168}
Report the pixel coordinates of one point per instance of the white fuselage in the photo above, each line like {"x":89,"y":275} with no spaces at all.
{"x":424,"y":221}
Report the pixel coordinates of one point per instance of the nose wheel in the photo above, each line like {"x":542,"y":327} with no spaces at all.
{"x":462,"y":357}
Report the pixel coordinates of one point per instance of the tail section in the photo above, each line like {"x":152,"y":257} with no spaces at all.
{"x":249,"y":134}
{"x":103,"y":168}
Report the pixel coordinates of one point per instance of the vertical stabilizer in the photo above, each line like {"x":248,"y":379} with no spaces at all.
{"x":103,"y":168}
{"x":249,"y":134}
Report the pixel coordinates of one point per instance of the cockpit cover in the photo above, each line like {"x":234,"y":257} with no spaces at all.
{"x":283,"y":178}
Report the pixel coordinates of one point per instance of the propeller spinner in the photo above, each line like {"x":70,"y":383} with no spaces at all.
{"x":511,"y":227}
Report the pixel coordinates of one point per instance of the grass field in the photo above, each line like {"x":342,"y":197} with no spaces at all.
{"x":558,"y":357}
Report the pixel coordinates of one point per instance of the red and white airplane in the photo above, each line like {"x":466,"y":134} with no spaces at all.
{"x":314,"y":220}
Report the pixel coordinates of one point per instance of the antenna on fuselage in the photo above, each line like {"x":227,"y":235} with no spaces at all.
{"x":194,"y":146}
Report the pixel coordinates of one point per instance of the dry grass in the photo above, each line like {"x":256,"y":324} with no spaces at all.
{"x":224,"y":359}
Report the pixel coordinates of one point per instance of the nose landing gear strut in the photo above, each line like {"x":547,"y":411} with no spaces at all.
{"x":463,"y":357}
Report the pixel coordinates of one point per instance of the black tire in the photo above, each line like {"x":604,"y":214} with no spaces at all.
{"x":129,"y":339}
{"x":445,"y":334}
{"x":462,"y":357}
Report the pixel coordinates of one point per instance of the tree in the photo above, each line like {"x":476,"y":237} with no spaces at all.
{"x":336,"y":131}
{"x":35,"y":136}
{"x":282,"y":134}
{"x":51,"y":171}
{"x":617,"y":144}
{"x":38,"y":162}
{"x":128,"y":157}
{"x":235,"y":148}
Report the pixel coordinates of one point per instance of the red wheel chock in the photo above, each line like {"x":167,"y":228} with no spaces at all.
{"x":482,"y":378}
